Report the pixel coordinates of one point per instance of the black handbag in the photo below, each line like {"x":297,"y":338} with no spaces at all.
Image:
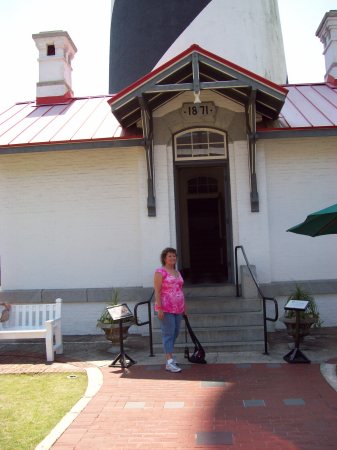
{"x":198,"y":355}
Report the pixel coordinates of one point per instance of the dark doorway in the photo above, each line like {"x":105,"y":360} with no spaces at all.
{"x":202,"y":230}
{"x":206,"y":242}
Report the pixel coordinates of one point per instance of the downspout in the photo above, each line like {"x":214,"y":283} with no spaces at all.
{"x":251,"y":136}
{"x":147,"y":125}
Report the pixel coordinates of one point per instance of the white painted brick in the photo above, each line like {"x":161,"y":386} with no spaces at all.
{"x":86,"y":318}
{"x":155,"y":231}
{"x":70,"y":219}
{"x":79,"y":218}
{"x":301,"y":178}
{"x":250,"y":229}
{"x":295,"y":178}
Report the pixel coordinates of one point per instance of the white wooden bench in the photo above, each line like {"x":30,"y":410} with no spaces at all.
{"x":36,"y":321}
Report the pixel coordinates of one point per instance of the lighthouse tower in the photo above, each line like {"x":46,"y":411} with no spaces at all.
{"x":147,"y":33}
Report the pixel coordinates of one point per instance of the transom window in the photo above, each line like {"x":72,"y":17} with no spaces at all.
{"x":202,"y":185}
{"x":200,"y":144}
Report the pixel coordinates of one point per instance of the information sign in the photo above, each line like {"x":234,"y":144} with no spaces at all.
{"x":300,"y":305}
{"x":119,"y":312}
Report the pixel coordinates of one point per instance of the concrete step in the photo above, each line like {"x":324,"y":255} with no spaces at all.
{"x":219,"y":334}
{"x":227,"y":290}
{"x":219,"y":347}
{"x":210,"y":304}
{"x":220,"y":320}
{"x":227,"y":319}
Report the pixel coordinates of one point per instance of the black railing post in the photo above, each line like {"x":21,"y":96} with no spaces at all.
{"x":148,"y":322}
{"x":237,"y":272}
{"x":150,"y":327}
{"x":265,"y":327}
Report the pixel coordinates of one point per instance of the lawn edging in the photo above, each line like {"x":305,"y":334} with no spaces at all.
{"x":95,"y":381}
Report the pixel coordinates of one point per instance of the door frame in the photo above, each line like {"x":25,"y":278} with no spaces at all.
{"x":224,"y":165}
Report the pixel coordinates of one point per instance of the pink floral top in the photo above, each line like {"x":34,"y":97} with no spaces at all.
{"x":171,"y":294}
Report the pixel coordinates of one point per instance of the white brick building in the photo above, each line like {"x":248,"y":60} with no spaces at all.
{"x":92,"y":189}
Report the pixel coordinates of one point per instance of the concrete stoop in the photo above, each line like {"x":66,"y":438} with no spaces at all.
{"x":221,"y":322}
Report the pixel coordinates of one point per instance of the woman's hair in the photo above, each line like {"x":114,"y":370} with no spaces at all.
{"x":165,"y":252}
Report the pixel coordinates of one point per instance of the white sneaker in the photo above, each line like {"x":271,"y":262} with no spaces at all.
{"x":171,"y":366}
{"x":175,"y":361}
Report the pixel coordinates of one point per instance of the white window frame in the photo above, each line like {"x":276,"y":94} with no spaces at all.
{"x":202,"y":157}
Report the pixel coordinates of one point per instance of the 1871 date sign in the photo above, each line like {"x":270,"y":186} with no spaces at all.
{"x":204,"y":110}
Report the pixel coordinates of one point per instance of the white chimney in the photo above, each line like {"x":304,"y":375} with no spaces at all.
{"x":56,"y":51}
{"x":327,"y":32}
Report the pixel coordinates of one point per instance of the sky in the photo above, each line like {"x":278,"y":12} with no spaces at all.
{"x":88,"y":24}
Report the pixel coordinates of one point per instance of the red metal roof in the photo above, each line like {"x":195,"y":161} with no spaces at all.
{"x":307,"y":107}
{"x":80,"y":119}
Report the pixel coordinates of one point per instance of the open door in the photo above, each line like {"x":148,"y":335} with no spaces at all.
{"x":202,"y":218}
{"x":205,"y":239}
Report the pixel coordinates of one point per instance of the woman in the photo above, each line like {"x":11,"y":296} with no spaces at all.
{"x":169,"y":303}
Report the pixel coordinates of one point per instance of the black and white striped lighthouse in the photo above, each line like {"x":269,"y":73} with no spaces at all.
{"x":146,"y":33}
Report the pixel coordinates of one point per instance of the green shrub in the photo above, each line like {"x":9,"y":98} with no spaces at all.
{"x":312,"y":308}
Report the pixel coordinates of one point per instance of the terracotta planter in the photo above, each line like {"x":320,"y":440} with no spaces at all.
{"x":111,"y":330}
{"x":304,"y":326}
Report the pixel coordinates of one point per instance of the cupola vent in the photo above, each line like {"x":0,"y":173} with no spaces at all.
{"x":327,"y":32}
{"x":56,"y":51}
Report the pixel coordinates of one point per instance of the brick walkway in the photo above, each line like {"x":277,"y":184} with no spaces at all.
{"x":258,"y":404}
{"x":20,"y":362}
{"x":237,"y":406}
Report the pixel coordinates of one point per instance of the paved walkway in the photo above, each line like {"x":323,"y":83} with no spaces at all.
{"x":243,"y":406}
{"x":237,"y":401}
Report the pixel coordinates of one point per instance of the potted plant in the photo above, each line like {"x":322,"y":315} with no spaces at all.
{"x":308,"y":318}
{"x":110,"y":326}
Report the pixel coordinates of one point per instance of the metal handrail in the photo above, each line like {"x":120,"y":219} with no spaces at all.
{"x":148,"y":322}
{"x":264,"y":298}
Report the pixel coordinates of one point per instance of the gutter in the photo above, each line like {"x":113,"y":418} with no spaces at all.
{"x":283,"y":133}
{"x":80,"y":145}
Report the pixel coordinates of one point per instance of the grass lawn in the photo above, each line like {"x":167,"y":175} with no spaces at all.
{"x":32,"y":404}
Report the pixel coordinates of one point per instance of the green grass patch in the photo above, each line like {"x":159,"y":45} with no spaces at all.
{"x":32,"y":404}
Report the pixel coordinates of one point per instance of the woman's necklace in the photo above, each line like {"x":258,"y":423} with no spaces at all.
{"x":172,"y":272}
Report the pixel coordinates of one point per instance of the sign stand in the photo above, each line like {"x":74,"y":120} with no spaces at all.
{"x":119,"y":313}
{"x":296,"y":355}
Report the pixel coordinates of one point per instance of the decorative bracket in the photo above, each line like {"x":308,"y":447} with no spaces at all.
{"x":251,"y":134}
{"x":147,"y":125}
{"x":196,"y":77}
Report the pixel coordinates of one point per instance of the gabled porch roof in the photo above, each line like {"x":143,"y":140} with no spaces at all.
{"x":196,"y":70}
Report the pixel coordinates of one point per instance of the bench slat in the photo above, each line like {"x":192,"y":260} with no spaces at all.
{"x":30,"y":316}
{"x":14,"y":316}
{"x":23,"y":315}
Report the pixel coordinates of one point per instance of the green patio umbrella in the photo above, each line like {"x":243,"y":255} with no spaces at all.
{"x":318,"y":223}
